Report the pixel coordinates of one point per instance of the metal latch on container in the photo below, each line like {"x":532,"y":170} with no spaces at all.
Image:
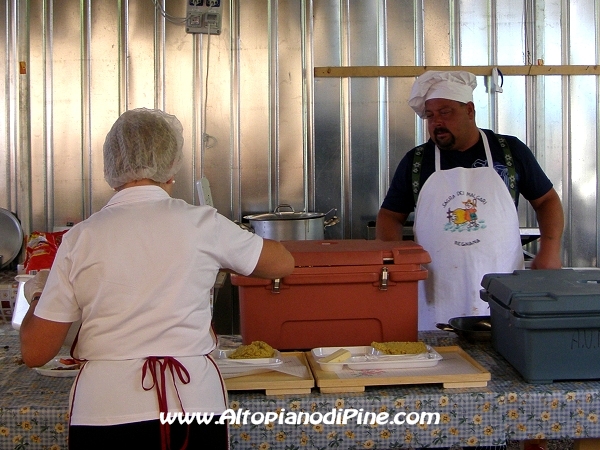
{"x":383,"y":280}
{"x":276,"y":285}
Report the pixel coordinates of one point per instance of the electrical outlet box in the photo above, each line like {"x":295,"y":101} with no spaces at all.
{"x":203,"y":16}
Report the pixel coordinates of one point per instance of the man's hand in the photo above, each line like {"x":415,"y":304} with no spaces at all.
{"x":388,"y":226}
{"x":546,"y":260}
{"x":550,"y":218}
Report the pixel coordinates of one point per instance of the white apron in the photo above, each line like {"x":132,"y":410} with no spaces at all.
{"x":467,"y":221}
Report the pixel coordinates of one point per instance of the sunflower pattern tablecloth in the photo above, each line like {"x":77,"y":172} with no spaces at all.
{"x":34,"y":409}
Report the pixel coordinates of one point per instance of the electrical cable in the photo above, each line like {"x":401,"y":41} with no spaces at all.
{"x":205,"y":137}
{"x":209,"y":141}
{"x":168,"y":17}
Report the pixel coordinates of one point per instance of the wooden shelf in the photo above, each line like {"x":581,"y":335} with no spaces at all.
{"x":273,"y":382}
{"x":456,"y":370}
{"x":413,"y":71}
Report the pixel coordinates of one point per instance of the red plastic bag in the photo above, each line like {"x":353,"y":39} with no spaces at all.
{"x":41,"y":250}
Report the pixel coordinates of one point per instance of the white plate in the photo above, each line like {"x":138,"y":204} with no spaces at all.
{"x":221,"y":357}
{"x":237,"y":371}
{"x":21,"y":305}
{"x":358,"y":353}
{"x":50,"y":369}
{"x":367,"y":358}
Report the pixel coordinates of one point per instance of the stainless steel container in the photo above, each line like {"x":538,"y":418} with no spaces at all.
{"x":11,"y":237}
{"x":291,"y":225}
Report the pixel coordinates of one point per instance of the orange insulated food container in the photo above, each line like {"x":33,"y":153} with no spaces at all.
{"x":341,"y":293}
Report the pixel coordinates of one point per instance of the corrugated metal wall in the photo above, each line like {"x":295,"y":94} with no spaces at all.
{"x":276,"y":134}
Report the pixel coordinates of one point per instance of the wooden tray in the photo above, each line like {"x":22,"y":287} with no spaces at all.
{"x":273,"y":382}
{"x":456,"y":370}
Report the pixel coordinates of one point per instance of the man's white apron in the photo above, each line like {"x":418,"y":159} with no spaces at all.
{"x":467,"y":221}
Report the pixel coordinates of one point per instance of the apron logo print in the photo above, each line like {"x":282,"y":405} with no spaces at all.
{"x":465,"y":218}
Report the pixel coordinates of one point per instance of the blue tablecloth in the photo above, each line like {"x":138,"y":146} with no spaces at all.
{"x":34,"y":409}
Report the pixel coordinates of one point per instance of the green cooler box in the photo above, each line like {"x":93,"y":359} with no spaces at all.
{"x":546,"y":323}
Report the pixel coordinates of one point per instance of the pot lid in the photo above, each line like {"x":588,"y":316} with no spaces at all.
{"x":286,"y":215}
{"x":11,"y":237}
{"x":278,"y":214}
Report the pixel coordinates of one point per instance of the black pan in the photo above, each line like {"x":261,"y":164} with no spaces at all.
{"x":472,"y":328}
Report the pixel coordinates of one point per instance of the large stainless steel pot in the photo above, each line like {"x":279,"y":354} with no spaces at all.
{"x":291,"y":225}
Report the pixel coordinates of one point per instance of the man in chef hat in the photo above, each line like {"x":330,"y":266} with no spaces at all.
{"x":463,"y":186}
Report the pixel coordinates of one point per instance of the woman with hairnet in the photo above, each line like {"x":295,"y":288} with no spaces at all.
{"x":138,"y":274}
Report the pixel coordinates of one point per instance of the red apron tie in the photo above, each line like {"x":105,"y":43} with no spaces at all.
{"x":159,"y":383}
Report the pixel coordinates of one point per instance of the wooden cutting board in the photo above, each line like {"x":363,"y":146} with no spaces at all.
{"x":456,"y":370}
{"x":273,"y":382}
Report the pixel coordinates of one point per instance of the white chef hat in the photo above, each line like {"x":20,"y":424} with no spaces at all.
{"x":456,"y":86}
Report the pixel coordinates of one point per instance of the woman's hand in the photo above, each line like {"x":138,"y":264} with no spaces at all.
{"x":33,"y":287}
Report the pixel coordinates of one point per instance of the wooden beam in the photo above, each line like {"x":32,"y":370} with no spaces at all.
{"x":414,"y":71}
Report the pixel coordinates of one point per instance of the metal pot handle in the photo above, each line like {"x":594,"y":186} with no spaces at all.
{"x":245,"y":226}
{"x":445,"y":327}
{"x":331,"y":222}
{"x":283,"y":205}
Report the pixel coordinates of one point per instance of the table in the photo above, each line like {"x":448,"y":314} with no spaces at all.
{"x":33,"y":409}
{"x":8,"y":294}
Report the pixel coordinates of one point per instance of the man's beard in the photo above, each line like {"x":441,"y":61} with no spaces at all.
{"x":445,"y":143}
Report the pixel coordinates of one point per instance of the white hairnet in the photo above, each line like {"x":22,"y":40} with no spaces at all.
{"x":143,"y":143}
{"x":456,"y":86}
